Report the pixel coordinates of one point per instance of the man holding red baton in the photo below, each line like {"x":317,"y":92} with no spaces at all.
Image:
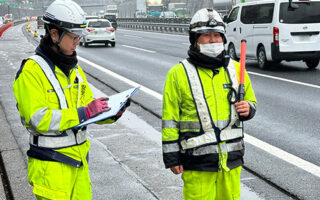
{"x":204,"y":101}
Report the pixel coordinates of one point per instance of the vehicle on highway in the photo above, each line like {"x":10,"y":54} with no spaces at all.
{"x":276,"y":30}
{"x":99,"y":31}
{"x":8,"y":18}
{"x":40,"y":23}
{"x":92,"y":17}
{"x":167,"y":14}
{"x":112,"y":18}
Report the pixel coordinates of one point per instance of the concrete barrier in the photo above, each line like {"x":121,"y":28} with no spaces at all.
{"x":5,"y":27}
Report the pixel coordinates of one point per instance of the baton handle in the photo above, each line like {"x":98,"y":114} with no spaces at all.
{"x":242,"y":69}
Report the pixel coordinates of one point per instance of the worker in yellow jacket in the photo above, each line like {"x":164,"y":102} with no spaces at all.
{"x":202,"y":132}
{"x":53,"y":96}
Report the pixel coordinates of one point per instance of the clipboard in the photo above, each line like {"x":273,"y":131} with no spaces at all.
{"x":115,"y":102}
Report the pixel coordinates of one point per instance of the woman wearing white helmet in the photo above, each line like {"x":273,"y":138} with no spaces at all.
{"x":202,"y":133}
{"x":53,"y":96}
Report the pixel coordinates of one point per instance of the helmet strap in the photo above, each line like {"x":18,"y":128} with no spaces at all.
{"x":60,"y":38}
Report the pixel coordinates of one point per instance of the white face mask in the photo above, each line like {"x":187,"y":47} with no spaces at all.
{"x":211,"y":49}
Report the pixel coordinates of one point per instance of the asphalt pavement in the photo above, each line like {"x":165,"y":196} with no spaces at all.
{"x":125,"y":157}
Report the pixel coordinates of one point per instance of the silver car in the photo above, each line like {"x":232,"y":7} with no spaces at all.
{"x":99,"y":31}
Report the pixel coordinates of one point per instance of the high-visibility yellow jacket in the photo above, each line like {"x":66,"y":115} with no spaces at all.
{"x":39,"y":105}
{"x":180,"y":119}
{"x":34,"y":93}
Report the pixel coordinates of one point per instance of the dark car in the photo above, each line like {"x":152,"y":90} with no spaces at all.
{"x":40,"y":23}
{"x":113,"y":19}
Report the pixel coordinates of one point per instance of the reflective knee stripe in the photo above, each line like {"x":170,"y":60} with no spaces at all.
{"x":68,"y":138}
{"x":52,"y":79}
{"x":204,"y":116}
{"x":171,"y":147}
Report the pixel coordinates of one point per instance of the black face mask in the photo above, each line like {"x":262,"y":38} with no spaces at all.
{"x":64,"y":62}
{"x":201,"y":60}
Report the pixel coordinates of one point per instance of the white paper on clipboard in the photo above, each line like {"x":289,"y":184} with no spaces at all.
{"x":115,"y":102}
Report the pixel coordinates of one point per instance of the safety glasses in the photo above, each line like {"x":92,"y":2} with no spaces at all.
{"x":76,"y":38}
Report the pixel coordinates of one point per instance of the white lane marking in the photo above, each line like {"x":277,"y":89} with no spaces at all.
{"x":284,"y":79}
{"x":139,"y":49}
{"x":122,"y":78}
{"x":134,"y":36}
{"x":292,"y":159}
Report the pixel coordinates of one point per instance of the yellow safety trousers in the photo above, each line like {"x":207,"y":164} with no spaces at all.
{"x":222,"y":185}
{"x":59,"y":181}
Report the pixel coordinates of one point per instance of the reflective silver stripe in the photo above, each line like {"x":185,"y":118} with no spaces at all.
{"x":55,"y":120}
{"x":205,"y":118}
{"x":236,"y":146}
{"x":60,"y":141}
{"x":211,"y":149}
{"x":170,"y":148}
{"x":170,"y":124}
{"x":37,"y":117}
{"x":221,"y":124}
{"x":52,"y":79}
{"x":196,"y":125}
{"x":189,"y":125}
{"x":79,"y":76}
{"x":208,"y":137}
{"x":201,"y":105}
{"x":231,"y":133}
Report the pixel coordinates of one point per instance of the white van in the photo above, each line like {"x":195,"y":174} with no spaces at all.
{"x":276,"y":30}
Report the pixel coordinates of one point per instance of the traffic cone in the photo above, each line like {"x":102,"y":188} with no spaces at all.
{"x":35,"y":33}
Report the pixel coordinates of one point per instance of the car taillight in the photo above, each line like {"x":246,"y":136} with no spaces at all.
{"x":110,"y":29}
{"x":276,"y":35}
{"x":90,"y":29}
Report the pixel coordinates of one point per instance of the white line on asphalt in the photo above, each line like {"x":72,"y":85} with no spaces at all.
{"x":122,"y":78}
{"x":139,"y":49}
{"x":134,"y":36}
{"x":292,"y":159}
{"x":284,"y":79}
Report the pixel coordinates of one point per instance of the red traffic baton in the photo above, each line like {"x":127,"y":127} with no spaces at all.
{"x":242,"y":69}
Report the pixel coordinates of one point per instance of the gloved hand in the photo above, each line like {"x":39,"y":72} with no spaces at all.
{"x":97,"y":106}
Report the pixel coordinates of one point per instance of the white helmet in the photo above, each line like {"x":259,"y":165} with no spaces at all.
{"x":66,"y":15}
{"x":206,"y":20}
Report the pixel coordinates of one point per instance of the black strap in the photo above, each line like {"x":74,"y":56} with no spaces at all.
{"x":51,"y":155}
